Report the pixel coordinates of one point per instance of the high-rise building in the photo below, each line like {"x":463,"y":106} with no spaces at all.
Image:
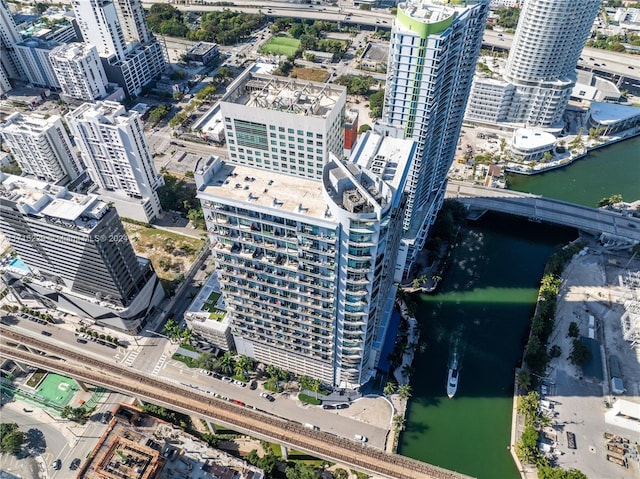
{"x":117,"y":156}
{"x":307,"y":265}
{"x":79,"y":257}
{"x":9,"y":36}
{"x":131,"y":55}
{"x":79,"y":71}
{"x":540,"y":71}
{"x":41,"y":147}
{"x":33,"y":54}
{"x":282,"y":124}
{"x":5,"y":85}
{"x":432,"y":57}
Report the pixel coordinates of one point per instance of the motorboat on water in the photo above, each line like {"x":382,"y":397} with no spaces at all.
{"x":452,"y":382}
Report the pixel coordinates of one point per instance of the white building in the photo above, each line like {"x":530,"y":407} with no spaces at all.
{"x":116,"y":153}
{"x":41,"y":147}
{"x":541,"y":64}
{"x":79,"y":71}
{"x":131,"y":55}
{"x":432,"y":58}
{"x":282,"y":124}
{"x":78,"y":257}
{"x":9,"y":36}
{"x":307,"y":265}
{"x":33,"y":54}
{"x":528,"y":144}
{"x":612,"y":119}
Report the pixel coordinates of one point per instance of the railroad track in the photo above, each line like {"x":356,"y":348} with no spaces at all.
{"x":115,"y":377}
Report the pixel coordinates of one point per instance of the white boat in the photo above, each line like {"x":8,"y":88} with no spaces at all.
{"x":452,"y":382}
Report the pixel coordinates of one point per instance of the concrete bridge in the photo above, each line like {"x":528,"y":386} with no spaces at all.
{"x":538,"y":208}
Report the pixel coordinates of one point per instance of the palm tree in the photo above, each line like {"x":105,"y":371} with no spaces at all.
{"x":305,"y":382}
{"x":171,"y":329}
{"x":206,"y":361}
{"x":315,"y":386}
{"x":404,"y":391}
{"x":226,"y":363}
{"x":243,"y":365}
{"x":398,"y":421}
{"x":185,"y":335}
{"x":407,"y":370}
{"x":389,"y":388}
{"x":272,"y":371}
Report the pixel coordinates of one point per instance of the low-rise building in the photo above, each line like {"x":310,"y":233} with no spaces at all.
{"x":136,"y":445}
{"x":530,"y":145}
{"x":207,"y":317}
{"x":203,"y":52}
{"x":611,"y":118}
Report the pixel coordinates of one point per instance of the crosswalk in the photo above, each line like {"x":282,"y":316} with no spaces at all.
{"x":159,"y":365}
{"x":131,"y":357}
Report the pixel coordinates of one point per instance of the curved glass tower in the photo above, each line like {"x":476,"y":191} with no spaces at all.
{"x":432,"y":58}
{"x":542,"y":62}
{"x":536,"y":84}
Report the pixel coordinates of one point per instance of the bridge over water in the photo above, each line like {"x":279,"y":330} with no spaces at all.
{"x":539,"y":208}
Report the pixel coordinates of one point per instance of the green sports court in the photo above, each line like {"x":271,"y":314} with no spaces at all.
{"x":57,"y":390}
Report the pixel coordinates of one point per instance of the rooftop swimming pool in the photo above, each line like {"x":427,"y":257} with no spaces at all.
{"x":18,"y":264}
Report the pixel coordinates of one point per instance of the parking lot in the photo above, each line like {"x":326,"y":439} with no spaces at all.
{"x":583,"y":435}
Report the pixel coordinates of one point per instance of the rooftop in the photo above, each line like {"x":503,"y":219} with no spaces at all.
{"x":106,"y":112}
{"x":72,"y":51}
{"x":284,"y":94}
{"x":267,"y":189}
{"x":528,"y":139}
{"x":611,"y":112}
{"x":201,"y":48}
{"x":384,"y":156}
{"x":427,"y":11}
{"x":56,"y":203}
{"x":17,"y":123}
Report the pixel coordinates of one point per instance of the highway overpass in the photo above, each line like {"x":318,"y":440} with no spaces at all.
{"x":538,"y":208}
{"x":60,"y":358}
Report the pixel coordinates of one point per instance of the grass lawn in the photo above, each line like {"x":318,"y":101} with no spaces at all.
{"x":217,"y":314}
{"x":36,"y":378}
{"x":311,"y":74}
{"x":281,"y":45}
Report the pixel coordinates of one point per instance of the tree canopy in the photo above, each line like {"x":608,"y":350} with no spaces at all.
{"x":11,"y":438}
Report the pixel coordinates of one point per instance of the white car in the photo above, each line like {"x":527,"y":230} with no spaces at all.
{"x":239,"y":383}
{"x":361,"y":438}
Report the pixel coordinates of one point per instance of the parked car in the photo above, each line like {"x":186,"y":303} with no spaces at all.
{"x":342,"y":406}
{"x":57,"y":464}
{"x":45,"y":333}
{"x":75,"y":464}
{"x":361,"y":438}
{"x":328,"y":406}
{"x":253,"y":385}
{"x":267,"y":396}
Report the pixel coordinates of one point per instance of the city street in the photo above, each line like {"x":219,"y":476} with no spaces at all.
{"x":153,"y":354}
